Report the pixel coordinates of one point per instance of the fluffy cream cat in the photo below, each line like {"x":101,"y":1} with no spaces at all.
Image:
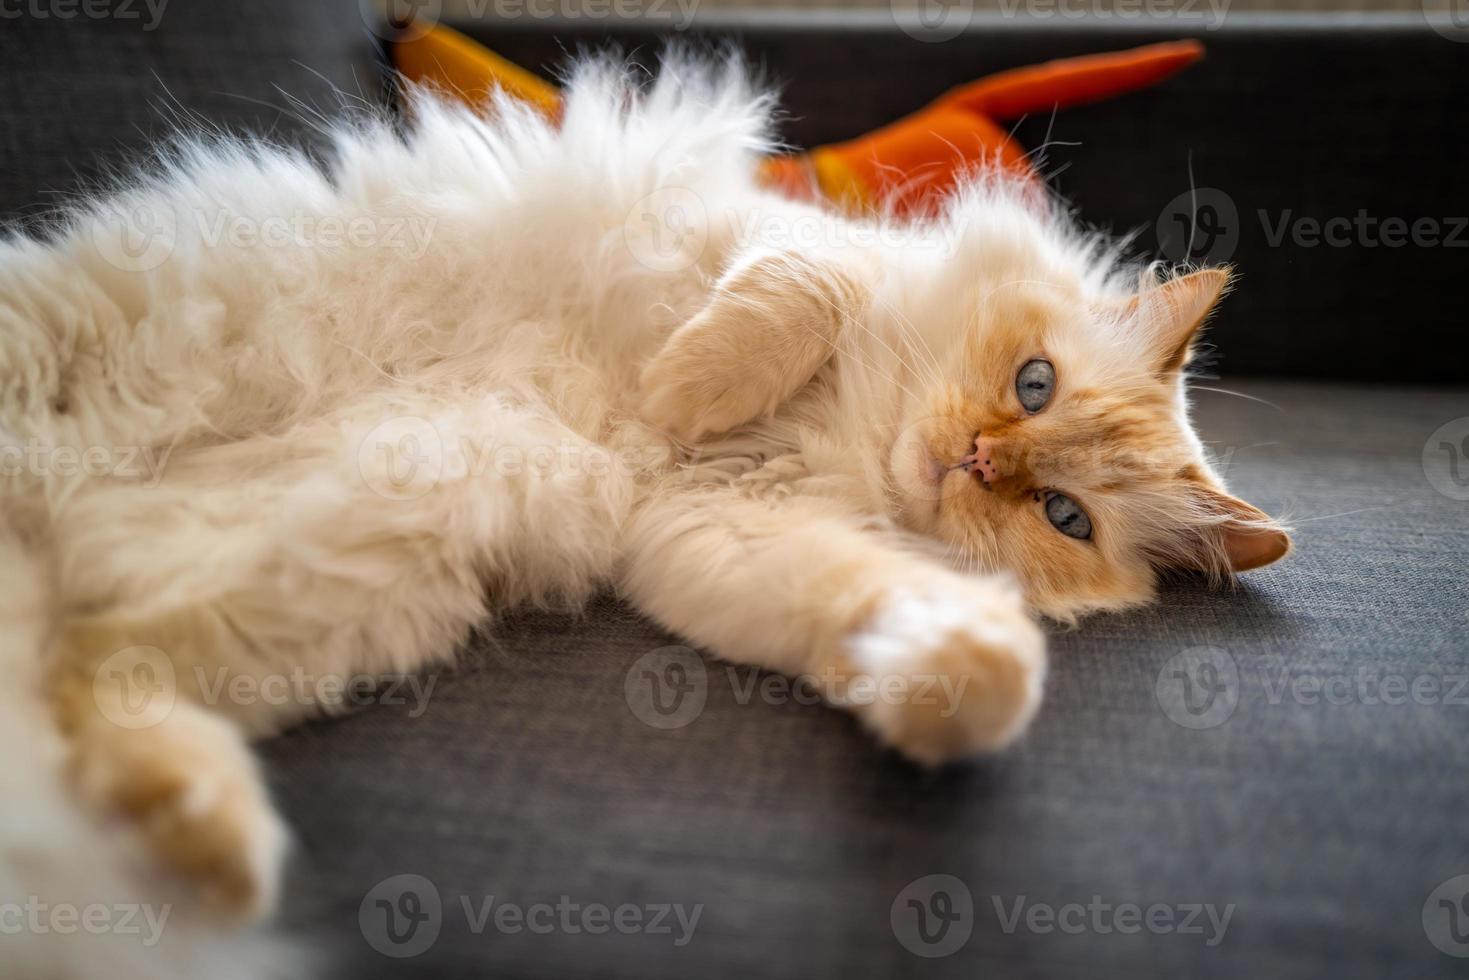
{"x":500,"y":362}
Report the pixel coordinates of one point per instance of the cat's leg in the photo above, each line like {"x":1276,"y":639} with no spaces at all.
{"x":938,"y":664}
{"x":180,"y":775}
{"x":256,"y":582}
{"x":771,"y":323}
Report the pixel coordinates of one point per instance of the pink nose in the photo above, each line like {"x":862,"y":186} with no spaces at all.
{"x":981,"y":461}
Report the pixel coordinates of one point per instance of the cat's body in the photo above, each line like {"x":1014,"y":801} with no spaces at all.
{"x":348,"y":452}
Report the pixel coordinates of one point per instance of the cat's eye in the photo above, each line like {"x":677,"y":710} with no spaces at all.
{"x":1067,"y":516}
{"x":1034,"y":384}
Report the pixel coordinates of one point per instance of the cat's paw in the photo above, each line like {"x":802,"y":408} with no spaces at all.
{"x":958,"y":669}
{"x":192,"y":792}
{"x":687,"y":400}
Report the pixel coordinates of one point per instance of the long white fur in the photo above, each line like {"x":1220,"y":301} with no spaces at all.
{"x":260,"y":371}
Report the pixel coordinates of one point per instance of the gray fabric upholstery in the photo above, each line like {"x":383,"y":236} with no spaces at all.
{"x":84,"y":93}
{"x":529,"y":777}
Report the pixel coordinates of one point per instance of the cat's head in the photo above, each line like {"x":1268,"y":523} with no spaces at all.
{"x":1045,"y":429}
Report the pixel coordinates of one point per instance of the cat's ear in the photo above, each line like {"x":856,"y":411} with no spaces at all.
{"x":1167,"y":316}
{"x":1242,"y":534}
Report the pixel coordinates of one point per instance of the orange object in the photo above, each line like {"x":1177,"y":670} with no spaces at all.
{"x":905,"y":165}
{"x":444,"y":59}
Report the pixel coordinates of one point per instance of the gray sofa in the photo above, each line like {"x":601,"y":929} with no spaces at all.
{"x":1290,"y":754}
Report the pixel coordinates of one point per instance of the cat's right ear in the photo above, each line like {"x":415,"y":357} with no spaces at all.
{"x":1166,"y":316}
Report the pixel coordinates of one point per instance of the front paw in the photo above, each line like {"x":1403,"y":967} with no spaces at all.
{"x":957,"y":670}
{"x":686,"y":401}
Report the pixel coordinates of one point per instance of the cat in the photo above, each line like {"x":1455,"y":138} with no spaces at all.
{"x":498,"y":362}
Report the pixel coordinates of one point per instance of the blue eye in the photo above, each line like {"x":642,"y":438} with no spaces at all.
{"x":1067,"y":516}
{"x":1034,"y":384}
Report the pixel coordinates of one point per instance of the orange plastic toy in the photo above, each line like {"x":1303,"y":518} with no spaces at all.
{"x":905,"y":165}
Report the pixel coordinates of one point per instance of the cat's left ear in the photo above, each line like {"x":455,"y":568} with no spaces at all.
{"x":1167,"y":316}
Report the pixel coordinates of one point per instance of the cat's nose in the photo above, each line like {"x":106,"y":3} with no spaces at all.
{"x":982,"y":460}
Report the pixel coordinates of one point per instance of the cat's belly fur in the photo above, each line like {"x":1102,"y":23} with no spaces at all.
{"x":276,"y":393}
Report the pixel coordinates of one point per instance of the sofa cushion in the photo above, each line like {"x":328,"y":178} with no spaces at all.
{"x":86,"y":94}
{"x":1323,"y":815}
